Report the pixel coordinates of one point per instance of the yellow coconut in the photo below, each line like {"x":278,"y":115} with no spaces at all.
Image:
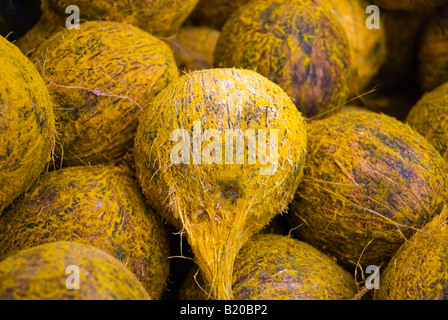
{"x":367,"y":46}
{"x":27,"y":125}
{"x":194,"y":48}
{"x":218,"y":189}
{"x":296,"y":44}
{"x":369,"y":183}
{"x":429,"y":117}
{"x":100,"y":77}
{"x":101,"y":206}
{"x":67,"y":271}
{"x":161,"y":18}
{"x":275,"y":267}
{"x":419,"y":269}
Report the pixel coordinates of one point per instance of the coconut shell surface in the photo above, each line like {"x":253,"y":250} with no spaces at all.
{"x":42,"y":273}
{"x":194,"y":47}
{"x":115,"y":69}
{"x":367,"y":46}
{"x":418,"y":271}
{"x":27,"y":125}
{"x":430,"y":118}
{"x":296,"y":44}
{"x":218,"y":203}
{"x":275,"y":267}
{"x":369,"y":183}
{"x":433,"y":52}
{"x":101,"y":206}
{"x":161,"y":18}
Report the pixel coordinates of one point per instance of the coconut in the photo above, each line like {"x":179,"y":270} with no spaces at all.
{"x":367,"y":47}
{"x":161,"y":18}
{"x":430,"y":118}
{"x":26,"y":123}
{"x":193,"y":48}
{"x":275,"y":267}
{"x":296,"y":44}
{"x":215,"y":13}
{"x":101,"y":206}
{"x":50,"y":272}
{"x":409,"y":4}
{"x":419,"y":269}
{"x":115,"y":71}
{"x":433,"y":51}
{"x":370,"y":182}
{"x":217,"y":197}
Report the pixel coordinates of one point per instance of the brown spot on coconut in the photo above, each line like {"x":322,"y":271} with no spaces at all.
{"x":296,"y":44}
{"x":275,"y":267}
{"x":161,"y":18}
{"x":101,"y":206}
{"x":369,"y":183}
{"x":403,"y":5}
{"x":419,"y":269}
{"x":433,"y":51}
{"x":27,"y":125}
{"x":367,"y":46}
{"x":430,"y":118}
{"x":214,"y":13}
{"x":43,"y":272}
{"x":220,"y":198}
{"x":194,"y":47}
{"x":100,"y":77}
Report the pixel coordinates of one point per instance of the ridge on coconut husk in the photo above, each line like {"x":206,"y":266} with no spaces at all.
{"x":161,"y":18}
{"x":370,"y":182}
{"x":27,"y":128}
{"x":419,"y":269}
{"x":367,"y":46}
{"x":43,"y":273}
{"x":276,"y":267}
{"x":429,"y":117}
{"x":115,"y":71}
{"x":220,"y":198}
{"x":101,"y":206}
{"x":297,"y":44}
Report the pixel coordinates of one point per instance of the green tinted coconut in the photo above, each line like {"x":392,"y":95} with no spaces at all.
{"x":433,"y":51}
{"x":113,"y":59}
{"x":369,"y":183}
{"x":275,"y":267}
{"x":430,"y":118}
{"x":218,"y":203}
{"x":42,"y":273}
{"x":101,"y":206}
{"x":367,"y":46}
{"x":194,"y":47}
{"x":419,"y":269}
{"x":409,"y":4}
{"x":27,"y":125}
{"x":162,"y":18}
{"x":296,"y":44}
